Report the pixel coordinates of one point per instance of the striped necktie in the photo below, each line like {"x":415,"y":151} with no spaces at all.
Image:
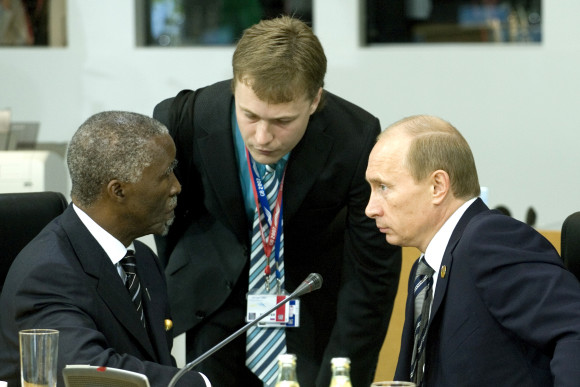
{"x":263,"y":345}
{"x":132,"y":283}
{"x":422,"y":294}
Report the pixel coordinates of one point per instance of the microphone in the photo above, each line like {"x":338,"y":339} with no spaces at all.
{"x":311,"y":283}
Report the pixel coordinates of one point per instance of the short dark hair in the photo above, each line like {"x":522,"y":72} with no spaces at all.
{"x":109,"y":145}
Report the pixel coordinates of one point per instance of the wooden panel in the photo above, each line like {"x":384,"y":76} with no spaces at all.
{"x":390,"y":350}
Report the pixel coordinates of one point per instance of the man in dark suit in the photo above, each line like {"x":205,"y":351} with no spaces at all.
{"x":70,"y":278}
{"x":504,"y":310}
{"x":317,"y":145}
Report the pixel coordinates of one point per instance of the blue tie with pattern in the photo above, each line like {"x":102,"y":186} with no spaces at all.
{"x":263,"y":345}
{"x":422,"y":293}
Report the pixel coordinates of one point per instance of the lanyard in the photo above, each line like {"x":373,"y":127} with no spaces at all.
{"x":272,"y":217}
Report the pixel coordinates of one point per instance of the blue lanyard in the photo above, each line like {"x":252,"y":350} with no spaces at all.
{"x":274,"y":219}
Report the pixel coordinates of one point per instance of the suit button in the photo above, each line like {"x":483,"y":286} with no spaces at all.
{"x":229,"y":285}
{"x":200,"y":314}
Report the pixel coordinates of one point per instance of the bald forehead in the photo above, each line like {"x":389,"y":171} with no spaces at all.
{"x":417,"y":125}
{"x":391,"y":144}
{"x":395,"y":133}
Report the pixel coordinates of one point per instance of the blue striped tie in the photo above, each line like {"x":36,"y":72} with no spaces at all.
{"x":263,"y":345}
{"x":422,"y":293}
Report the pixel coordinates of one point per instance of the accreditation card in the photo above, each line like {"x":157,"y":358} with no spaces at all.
{"x":286,"y":316}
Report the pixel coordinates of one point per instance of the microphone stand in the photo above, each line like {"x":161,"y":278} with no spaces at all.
{"x":311,"y":283}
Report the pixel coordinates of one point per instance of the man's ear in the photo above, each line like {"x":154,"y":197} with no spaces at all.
{"x":116,"y":190}
{"x":441,"y":185}
{"x":316,"y":101}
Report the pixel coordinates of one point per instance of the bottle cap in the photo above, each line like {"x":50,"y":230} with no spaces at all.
{"x":287,"y":358}
{"x":340,"y":362}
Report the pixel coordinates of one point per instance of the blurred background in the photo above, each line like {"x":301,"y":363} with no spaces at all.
{"x":505,"y":73}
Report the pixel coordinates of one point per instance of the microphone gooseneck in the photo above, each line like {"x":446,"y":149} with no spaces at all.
{"x":311,"y":283}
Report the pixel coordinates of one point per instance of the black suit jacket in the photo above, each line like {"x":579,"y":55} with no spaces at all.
{"x":505,"y":313}
{"x":64,"y":280}
{"x":325,"y":231}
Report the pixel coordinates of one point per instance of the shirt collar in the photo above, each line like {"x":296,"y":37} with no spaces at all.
{"x":112,"y":246}
{"x":436,"y":248}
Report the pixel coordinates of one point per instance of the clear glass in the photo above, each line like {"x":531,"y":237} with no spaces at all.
{"x":38,"y":357}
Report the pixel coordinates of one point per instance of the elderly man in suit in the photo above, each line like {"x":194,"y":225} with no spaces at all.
{"x":489,"y":301}
{"x":73,"y":276}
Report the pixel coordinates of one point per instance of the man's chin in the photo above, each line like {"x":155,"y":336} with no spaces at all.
{"x":164,"y":229}
{"x":392,"y":240}
{"x":264,"y":159}
{"x":166,"y":226}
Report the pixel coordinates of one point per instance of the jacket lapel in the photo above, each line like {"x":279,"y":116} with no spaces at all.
{"x":213,"y":133}
{"x":476,"y":207}
{"x":109,"y":286}
{"x":156,"y":310}
{"x":306,"y":162}
{"x":217,"y":154}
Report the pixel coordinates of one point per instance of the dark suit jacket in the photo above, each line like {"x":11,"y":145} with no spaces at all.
{"x":64,"y":280}
{"x":506,"y":313}
{"x":325,"y":231}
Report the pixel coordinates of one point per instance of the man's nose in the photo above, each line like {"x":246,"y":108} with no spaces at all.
{"x":175,"y":186}
{"x":263,"y":134}
{"x":372,"y":209}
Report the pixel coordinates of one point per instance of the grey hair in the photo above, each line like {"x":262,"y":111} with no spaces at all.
{"x":107,"y":146}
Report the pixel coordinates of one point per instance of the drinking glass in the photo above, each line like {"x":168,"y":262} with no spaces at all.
{"x":38,"y":357}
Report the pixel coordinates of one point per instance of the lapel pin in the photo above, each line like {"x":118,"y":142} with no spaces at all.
{"x":443,"y":271}
{"x":168,"y":324}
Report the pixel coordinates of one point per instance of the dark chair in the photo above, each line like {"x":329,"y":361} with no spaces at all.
{"x":22,"y":216}
{"x":570,"y":243}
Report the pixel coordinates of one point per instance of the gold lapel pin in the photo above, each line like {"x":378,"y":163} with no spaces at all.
{"x":443,"y":271}
{"x":168,"y":324}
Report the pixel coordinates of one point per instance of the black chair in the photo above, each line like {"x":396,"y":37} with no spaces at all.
{"x":22,"y":217}
{"x":570,"y":243}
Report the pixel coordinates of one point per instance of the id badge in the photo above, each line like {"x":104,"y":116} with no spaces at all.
{"x":286,"y":316}
{"x":258,"y":304}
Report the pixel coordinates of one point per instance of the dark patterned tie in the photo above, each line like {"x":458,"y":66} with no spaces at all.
{"x":132,"y":283}
{"x":263,"y":345}
{"x":423,"y":294}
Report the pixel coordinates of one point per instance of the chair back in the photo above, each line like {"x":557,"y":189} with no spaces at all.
{"x":22,"y":217}
{"x":571,"y":243}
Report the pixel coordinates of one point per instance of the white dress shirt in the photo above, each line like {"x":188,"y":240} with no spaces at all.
{"x":113,"y":247}
{"x":436,"y":248}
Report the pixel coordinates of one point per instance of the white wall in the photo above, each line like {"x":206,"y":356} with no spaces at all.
{"x":516,"y":105}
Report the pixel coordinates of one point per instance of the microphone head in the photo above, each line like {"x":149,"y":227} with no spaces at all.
{"x":311,"y":283}
{"x":315,"y":281}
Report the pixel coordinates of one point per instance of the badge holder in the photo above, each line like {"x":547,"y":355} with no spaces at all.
{"x":286,"y":316}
